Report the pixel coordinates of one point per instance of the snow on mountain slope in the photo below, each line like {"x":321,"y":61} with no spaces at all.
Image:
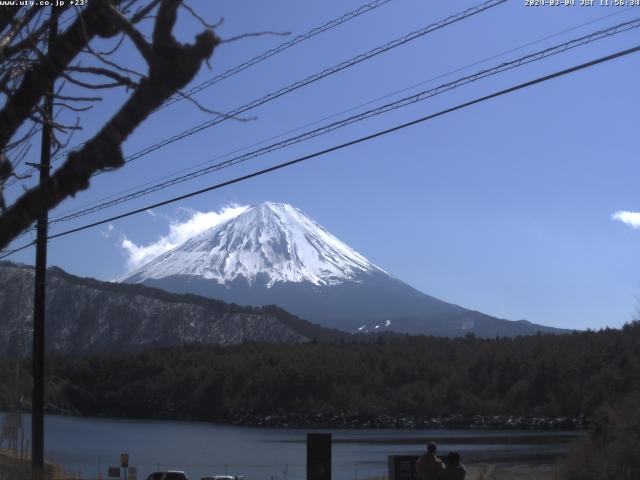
{"x":273,"y":254}
{"x":272,"y":240}
{"x":86,"y":316}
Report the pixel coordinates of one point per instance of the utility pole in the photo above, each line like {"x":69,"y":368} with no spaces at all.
{"x":37,"y":406}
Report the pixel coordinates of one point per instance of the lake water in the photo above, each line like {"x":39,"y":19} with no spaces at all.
{"x":88,"y":446}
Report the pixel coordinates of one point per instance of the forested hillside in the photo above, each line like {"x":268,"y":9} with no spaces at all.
{"x":564,"y":375}
{"x":87,"y":316}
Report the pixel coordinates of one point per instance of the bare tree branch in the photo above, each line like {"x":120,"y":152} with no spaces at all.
{"x":115,"y":48}
{"x":136,"y":37}
{"x":66,"y":106}
{"x":103,"y":58}
{"x":62,"y":145}
{"x":143,"y":12}
{"x":34,"y":82}
{"x":10,"y":50}
{"x":32,"y":131}
{"x":6,"y":170}
{"x":106,"y":73}
{"x":213,"y":112}
{"x":92,"y":86}
{"x":172,"y":66}
{"x":78,"y":99}
{"x":202,"y":21}
{"x":7,"y":14}
{"x":20,"y":156}
{"x":254,"y":34}
{"x":16,"y":27}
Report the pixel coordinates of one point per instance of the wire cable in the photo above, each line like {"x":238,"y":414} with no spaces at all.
{"x":412,"y":99}
{"x":314,"y":78}
{"x":350,"y":143}
{"x":318,"y":76}
{"x":280,"y":48}
{"x":351,"y":109}
{"x":368,"y":7}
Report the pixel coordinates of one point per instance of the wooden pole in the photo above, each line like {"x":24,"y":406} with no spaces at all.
{"x":37,"y":412}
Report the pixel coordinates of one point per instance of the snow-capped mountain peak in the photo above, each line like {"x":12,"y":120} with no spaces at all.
{"x":275,"y":242}
{"x":273,"y":254}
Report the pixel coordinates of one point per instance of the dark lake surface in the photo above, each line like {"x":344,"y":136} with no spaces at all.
{"x":88,"y":446}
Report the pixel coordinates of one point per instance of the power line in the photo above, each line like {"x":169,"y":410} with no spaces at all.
{"x":367,"y":7}
{"x":432,"y":79}
{"x":260,"y":58}
{"x":7,"y":253}
{"x":412,"y":99}
{"x":280,"y":48}
{"x":359,"y":140}
{"x":315,"y":77}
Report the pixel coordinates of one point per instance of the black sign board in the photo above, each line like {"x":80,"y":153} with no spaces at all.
{"x":403,"y":467}
{"x":318,"y":456}
{"x":114,"y":472}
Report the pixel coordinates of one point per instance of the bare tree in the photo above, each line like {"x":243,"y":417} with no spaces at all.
{"x":74,"y":62}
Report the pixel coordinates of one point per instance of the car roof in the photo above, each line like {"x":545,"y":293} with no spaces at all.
{"x":167,"y":472}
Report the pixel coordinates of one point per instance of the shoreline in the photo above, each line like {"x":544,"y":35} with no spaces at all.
{"x":535,"y":461}
{"x":468,"y":422}
{"x":369,"y":421}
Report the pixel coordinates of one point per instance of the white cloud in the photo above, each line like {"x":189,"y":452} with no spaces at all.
{"x":179,"y":232}
{"x":630,"y":218}
{"x":107,"y":233}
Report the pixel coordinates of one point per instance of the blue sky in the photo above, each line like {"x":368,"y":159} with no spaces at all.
{"x":505,"y":207}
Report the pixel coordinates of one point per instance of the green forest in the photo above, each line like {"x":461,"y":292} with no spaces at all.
{"x":591,"y":375}
{"x":545,"y":375}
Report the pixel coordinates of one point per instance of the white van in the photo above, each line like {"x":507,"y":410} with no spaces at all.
{"x":223,"y":477}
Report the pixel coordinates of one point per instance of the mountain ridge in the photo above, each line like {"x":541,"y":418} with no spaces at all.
{"x":273,"y":253}
{"x":86,"y":315}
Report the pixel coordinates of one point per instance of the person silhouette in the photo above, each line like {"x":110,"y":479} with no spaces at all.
{"x":429,"y":466}
{"x":455,"y":469}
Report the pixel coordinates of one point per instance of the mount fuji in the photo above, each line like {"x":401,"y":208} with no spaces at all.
{"x":273,"y":253}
